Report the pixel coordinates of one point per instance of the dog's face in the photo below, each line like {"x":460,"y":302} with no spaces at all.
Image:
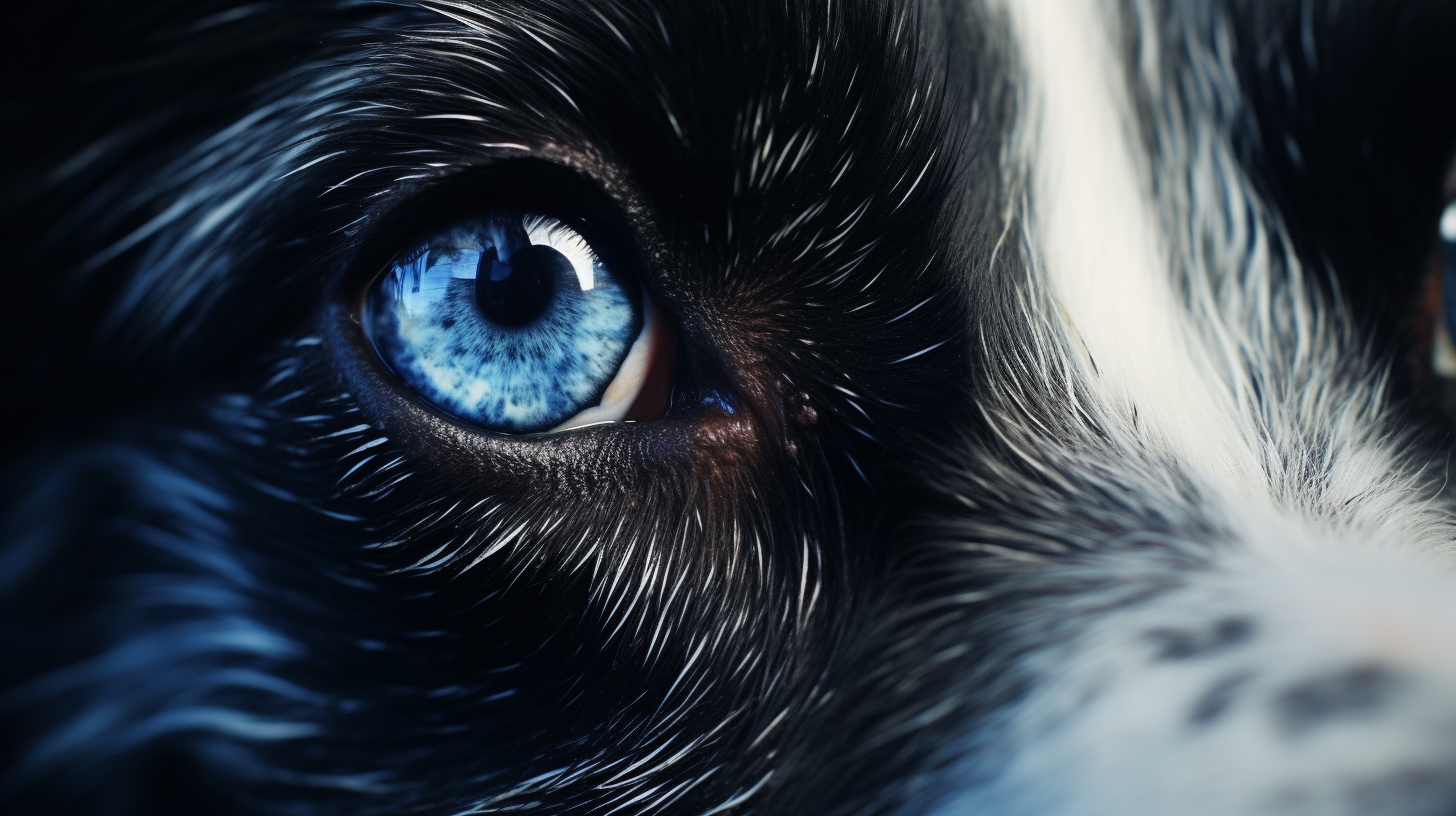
{"x":1014,"y":407}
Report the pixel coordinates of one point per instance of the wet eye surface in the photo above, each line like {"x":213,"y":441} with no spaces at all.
{"x":510,"y":320}
{"x":1443,"y":351}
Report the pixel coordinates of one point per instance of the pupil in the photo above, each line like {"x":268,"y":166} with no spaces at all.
{"x":515,"y":292}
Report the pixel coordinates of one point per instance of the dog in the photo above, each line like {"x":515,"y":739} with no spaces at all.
{"x":1016,"y":407}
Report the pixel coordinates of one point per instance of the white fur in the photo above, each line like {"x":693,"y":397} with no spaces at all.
{"x":1101,"y":247}
{"x":1111,"y":733}
{"x":1192,"y":331}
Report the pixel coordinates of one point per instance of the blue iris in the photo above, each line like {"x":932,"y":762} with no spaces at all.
{"x":508,"y":320}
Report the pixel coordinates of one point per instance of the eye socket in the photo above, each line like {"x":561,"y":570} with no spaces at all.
{"x":1443,"y":350}
{"x":509,"y":319}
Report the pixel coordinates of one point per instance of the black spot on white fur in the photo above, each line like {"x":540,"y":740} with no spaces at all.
{"x":1187,"y":644}
{"x":1218,"y":699}
{"x":1351,"y":694}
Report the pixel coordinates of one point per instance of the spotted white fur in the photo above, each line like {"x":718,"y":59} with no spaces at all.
{"x":1099,"y":238}
{"x":1203,"y":350}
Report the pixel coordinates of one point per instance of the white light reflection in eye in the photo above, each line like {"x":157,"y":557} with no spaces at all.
{"x":1443,"y":350}
{"x":1448,"y":223}
{"x":545,"y":230}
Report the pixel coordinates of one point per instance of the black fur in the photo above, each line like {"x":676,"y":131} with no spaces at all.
{"x":214,"y":590}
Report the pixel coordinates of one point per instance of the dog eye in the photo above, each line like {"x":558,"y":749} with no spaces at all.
{"x":510,"y":320}
{"x":1443,"y":350}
